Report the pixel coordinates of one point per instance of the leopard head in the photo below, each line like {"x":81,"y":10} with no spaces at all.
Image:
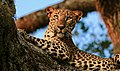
{"x":62,"y":21}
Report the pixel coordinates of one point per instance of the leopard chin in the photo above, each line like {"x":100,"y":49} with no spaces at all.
{"x":60,"y":35}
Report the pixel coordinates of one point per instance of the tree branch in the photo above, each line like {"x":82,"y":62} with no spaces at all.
{"x":39,"y":19}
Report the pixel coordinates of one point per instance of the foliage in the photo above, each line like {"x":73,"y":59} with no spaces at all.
{"x":92,"y":38}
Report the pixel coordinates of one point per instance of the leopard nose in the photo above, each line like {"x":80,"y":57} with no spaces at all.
{"x":61,"y":27}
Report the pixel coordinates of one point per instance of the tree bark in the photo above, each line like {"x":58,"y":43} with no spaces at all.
{"x":39,"y":18}
{"x":110,"y":12}
{"x":16,"y":54}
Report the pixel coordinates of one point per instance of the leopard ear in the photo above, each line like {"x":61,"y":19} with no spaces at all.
{"x":78,"y":14}
{"x":50,"y":10}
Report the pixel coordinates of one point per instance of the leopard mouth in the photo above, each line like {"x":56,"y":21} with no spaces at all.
{"x":60,"y":35}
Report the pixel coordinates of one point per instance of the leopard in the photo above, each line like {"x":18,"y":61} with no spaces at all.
{"x":61,"y":24}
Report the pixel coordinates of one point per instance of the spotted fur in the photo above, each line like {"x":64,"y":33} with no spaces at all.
{"x":62,"y":22}
{"x":55,"y":50}
{"x":58,"y":35}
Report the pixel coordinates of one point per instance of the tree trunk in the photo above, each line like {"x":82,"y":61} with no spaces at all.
{"x":110,"y":12}
{"x":16,"y":54}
